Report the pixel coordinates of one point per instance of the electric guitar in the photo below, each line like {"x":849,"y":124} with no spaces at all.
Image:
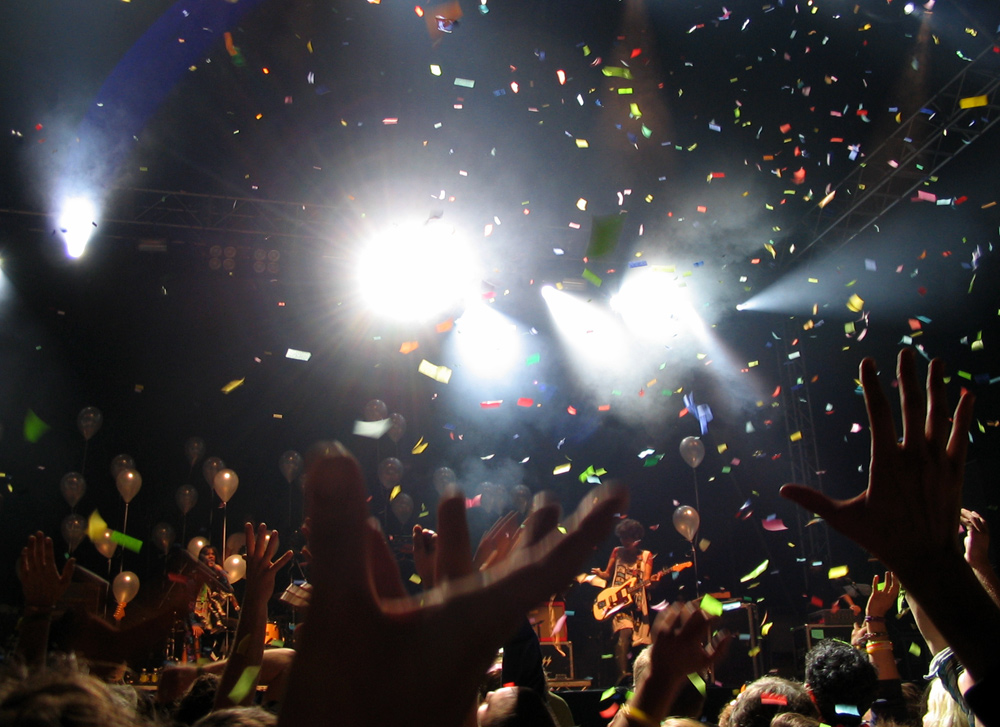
{"x":614,"y":598}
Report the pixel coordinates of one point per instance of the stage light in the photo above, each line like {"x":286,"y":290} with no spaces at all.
{"x":655,"y":307}
{"x":417,"y":272}
{"x":486,"y":342}
{"x":76,"y":223}
{"x":588,"y":329}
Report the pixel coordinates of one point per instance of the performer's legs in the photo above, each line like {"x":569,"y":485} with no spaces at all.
{"x":623,"y":643}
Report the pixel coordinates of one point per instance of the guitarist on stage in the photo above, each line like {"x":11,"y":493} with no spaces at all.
{"x":629,"y":562}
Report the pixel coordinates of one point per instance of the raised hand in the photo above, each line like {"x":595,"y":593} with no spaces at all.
{"x":908,"y":515}
{"x":881,"y":601}
{"x":42,"y":583}
{"x":398,"y":656}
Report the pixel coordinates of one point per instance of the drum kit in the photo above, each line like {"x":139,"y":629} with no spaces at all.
{"x":182,"y":645}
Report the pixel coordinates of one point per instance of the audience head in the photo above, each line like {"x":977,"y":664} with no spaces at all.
{"x":62,"y":695}
{"x":766,"y":698}
{"x":839,"y":674}
{"x":198,"y":700}
{"x":515,"y":707}
{"x":238,"y":717}
{"x":942,"y":709}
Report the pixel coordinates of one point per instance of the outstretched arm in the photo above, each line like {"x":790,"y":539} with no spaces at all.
{"x":431,"y":651}
{"x":977,"y":552}
{"x":908,"y":515}
{"x":239,"y":680}
{"x":43,"y":586}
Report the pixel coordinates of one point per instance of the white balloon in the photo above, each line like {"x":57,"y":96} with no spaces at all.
{"x":128,"y":482}
{"x":195,"y":545}
{"x":235,"y":567}
{"x":226,"y":482}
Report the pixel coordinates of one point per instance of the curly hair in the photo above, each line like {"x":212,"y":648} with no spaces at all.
{"x":765,"y":698}
{"x":629,"y":529}
{"x":837,"y":673}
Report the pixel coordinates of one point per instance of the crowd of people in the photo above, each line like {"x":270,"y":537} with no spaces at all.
{"x":369,"y":653}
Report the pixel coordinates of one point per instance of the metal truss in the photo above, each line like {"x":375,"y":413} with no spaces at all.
{"x":924,"y":143}
{"x":803,"y":449}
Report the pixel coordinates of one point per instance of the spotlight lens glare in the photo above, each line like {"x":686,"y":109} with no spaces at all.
{"x":76,"y":222}
{"x":416,"y":273}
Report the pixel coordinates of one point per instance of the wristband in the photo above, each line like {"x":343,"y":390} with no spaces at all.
{"x":634,"y":714}
{"x":880,"y":646}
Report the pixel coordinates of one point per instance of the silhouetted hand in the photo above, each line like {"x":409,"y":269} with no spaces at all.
{"x":41,"y":581}
{"x":908,"y":515}
{"x":398,"y":656}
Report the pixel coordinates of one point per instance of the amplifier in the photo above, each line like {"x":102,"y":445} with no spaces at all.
{"x":557,"y":661}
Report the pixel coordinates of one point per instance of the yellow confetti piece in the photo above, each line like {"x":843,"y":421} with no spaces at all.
{"x":582,"y":144}
{"x":971,"y":102}
{"x":754,"y":651}
{"x":415,"y":579}
{"x":855,"y":303}
{"x":562,"y":469}
{"x":703,"y":544}
{"x":96,"y":526}
{"x":244,"y":685}
{"x":722,"y":448}
{"x":420,"y":446}
{"x":914,"y":649}
{"x":233,"y":385}
{"x":766,"y":628}
{"x":441,"y":374}
{"x":837,"y":572}
{"x":435,"y":70}
{"x":795,"y":436}
{"x":395,"y":492}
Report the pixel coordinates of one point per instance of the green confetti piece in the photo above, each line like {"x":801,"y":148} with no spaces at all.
{"x":652,"y":461}
{"x":817,"y":634}
{"x":915,"y":649}
{"x":726,"y":469}
{"x":755,"y":572}
{"x":244,"y":684}
{"x":698,"y":682}
{"x":646,"y":131}
{"x":711,"y":605}
{"x":587,"y":275}
{"x":607,"y":656}
{"x":533,"y":359}
{"x":608,"y":692}
{"x":126,"y":541}
{"x":604,"y":234}
{"x":34,"y":427}
{"x":612,"y":71}
{"x":278,"y":643}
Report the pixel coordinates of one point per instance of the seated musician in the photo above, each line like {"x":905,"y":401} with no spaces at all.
{"x":629,"y":564}
{"x":209,"y":616}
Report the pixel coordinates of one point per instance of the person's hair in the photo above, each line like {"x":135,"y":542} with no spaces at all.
{"x":794,"y":719}
{"x":942,"y":709}
{"x":204,"y":551}
{"x":629,"y":529}
{"x":198,"y":700}
{"x":62,"y":694}
{"x":680,"y":722}
{"x":837,"y":673}
{"x":238,"y":717}
{"x":527,"y":709}
{"x":766,"y":698}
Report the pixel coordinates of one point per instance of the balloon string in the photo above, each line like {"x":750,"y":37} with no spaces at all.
{"x":83,"y":465}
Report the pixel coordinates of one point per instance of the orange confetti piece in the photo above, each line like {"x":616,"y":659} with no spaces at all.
{"x":409,"y":346}
{"x":445,"y":326}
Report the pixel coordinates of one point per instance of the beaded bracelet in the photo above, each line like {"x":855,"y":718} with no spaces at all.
{"x":634,"y":714}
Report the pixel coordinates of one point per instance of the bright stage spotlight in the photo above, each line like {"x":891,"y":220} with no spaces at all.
{"x":76,"y":222}
{"x":655,"y":308}
{"x":414,"y":273}
{"x":588,"y":330}
{"x":487,"y":342}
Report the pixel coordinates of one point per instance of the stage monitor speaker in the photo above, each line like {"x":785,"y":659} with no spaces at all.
{"x":557,"y":661}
